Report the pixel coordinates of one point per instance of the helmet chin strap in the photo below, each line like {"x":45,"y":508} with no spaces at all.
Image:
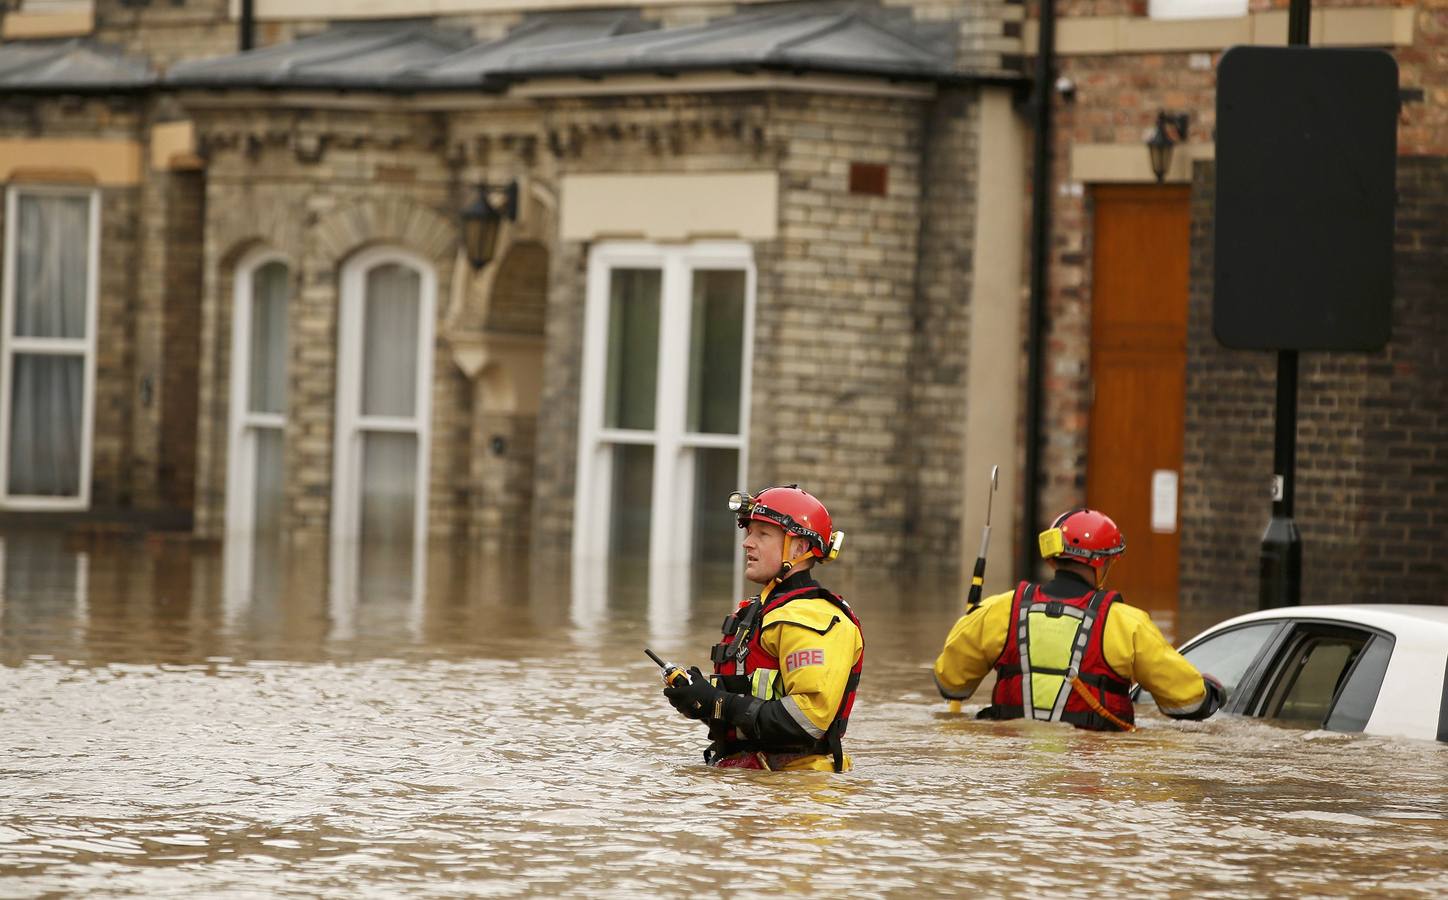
{"x":786,"y":565}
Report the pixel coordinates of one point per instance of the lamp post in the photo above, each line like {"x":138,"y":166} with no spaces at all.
{"x":482,"y":221}
{"x":1171,"y":129}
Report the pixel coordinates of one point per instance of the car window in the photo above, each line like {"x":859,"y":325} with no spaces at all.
{"x":1311,"y":670}
{"x":1227,"y":655}
{"x":1355,"y":704}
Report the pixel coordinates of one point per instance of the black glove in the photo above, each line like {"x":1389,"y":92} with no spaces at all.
{"x":1216,"y":696}
{"x":700,"y":699}
{"x":694,"y":699}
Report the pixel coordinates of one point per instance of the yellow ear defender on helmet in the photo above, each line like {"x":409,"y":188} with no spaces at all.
{"x":1053,"y":543}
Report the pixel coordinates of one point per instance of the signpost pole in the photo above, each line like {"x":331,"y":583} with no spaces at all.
{"x":1281,"y":559}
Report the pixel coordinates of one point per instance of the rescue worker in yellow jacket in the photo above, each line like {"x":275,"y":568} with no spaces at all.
{"x":786,"y":670}
{"x":1068,"y":650}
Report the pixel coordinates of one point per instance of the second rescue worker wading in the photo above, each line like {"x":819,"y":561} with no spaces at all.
{"x":786,"y":671}
{"x":1068,"y":650}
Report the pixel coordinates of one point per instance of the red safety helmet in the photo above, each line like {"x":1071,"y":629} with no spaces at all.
{"x":794,"y":510}
{"x":1086,"y":536}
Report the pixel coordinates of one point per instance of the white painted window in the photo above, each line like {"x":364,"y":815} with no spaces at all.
{"x":384,"y":394}
{"x":256,"y":474}
{"x":56,"y":6}
{"x":1196,"y":9}
{"x":47,"y":355}
{"x":664,"y":411}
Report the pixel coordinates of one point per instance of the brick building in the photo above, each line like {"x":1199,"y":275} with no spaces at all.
{"x":753,"y":242}
{"x":746,"y":248}
{"x":1138,"y":384}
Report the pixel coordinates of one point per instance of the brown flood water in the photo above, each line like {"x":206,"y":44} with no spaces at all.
{"x":177,"y":724}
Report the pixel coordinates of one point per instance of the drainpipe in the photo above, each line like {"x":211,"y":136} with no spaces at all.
{"x":246,"y":38}
{"x":1040,"y":258}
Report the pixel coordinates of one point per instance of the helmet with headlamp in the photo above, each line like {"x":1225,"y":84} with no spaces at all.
{"x":796,"y":511}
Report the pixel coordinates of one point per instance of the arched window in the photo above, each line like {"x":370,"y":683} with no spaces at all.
{"x":384,"y":393}
{"x":256,"y":475}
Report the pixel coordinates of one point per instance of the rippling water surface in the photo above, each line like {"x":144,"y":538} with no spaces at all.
{"x":177,"y":723}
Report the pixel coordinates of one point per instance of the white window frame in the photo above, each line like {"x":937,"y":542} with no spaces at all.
{"x":673,"y":477}
{"x":241,"y":472}
{"x":84,"y":347}
{"x":349,"y":422}
{"x":1167,"y":10}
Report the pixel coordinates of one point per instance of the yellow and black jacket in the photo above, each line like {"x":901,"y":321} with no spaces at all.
{"x":802,"y":653}
{"x":1130,"y":644}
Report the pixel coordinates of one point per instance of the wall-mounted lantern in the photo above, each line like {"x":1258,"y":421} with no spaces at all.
{"x":1171,"y":129}
{"x":482,"y":221}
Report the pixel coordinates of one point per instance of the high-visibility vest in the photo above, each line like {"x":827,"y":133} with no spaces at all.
{"x":1054,"y":640}
{"x":743,"y":666}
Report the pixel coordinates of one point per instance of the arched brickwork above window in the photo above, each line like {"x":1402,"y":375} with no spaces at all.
{"x":258,"y":220}
{"x":520,"y":292}
{"x":393,"y":220}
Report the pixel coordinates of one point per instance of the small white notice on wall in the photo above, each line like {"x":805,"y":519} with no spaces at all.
{"x":1164,"y":501}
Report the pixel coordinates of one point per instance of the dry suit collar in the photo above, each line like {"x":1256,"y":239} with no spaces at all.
{"x":1067,"y":584}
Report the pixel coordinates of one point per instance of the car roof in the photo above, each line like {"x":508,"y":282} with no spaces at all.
{"x":1412,"y":622}
{"x":1412,"y":687}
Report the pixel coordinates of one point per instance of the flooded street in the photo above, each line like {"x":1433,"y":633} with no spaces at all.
{"x":177,"y":724}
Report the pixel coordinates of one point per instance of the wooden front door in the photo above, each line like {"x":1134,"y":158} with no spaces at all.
{"x":1140,"y":265}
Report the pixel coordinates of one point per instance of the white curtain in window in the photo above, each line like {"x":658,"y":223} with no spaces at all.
{"x":390,"y":354}
{"x":268,"y":363}
{"x":267,"y":391}
{"x":48,"y":390}
{"x":389,"y":341}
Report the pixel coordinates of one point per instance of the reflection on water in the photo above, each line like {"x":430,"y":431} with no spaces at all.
{"x":324,"y":721}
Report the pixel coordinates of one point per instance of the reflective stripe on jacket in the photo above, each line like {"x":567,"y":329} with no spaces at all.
{"x":1132,"y":645}
{"x":748,"y":661}
{"x":1054,"y":641}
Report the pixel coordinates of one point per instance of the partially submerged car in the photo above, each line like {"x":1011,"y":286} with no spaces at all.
{"x":1378,"y":669}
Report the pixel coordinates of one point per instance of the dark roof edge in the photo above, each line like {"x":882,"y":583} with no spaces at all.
{"x":864,"y":70}
{"x":500,"y":82}
{"x":87,"y":89}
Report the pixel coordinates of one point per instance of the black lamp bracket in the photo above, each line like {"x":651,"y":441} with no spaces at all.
{"x":1175,"y":121}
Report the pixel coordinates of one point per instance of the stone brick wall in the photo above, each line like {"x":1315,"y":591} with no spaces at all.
{"x":845,"y":308}
{"x":166,"y":32}
{"x":939,"y":360}
{"x":320,"y":191}
{"x":1372,"y":453}
{"x":111,"y":483}
{"x":181,"y":339}
{"x":835,"y":324}
{"x":555,"y":467}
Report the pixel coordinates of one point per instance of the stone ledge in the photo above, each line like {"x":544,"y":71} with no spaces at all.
{"x":1337,"y":27}
{"x":19,"y":26}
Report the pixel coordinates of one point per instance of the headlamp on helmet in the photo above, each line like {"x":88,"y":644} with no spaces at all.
{"x":796,"y":511}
